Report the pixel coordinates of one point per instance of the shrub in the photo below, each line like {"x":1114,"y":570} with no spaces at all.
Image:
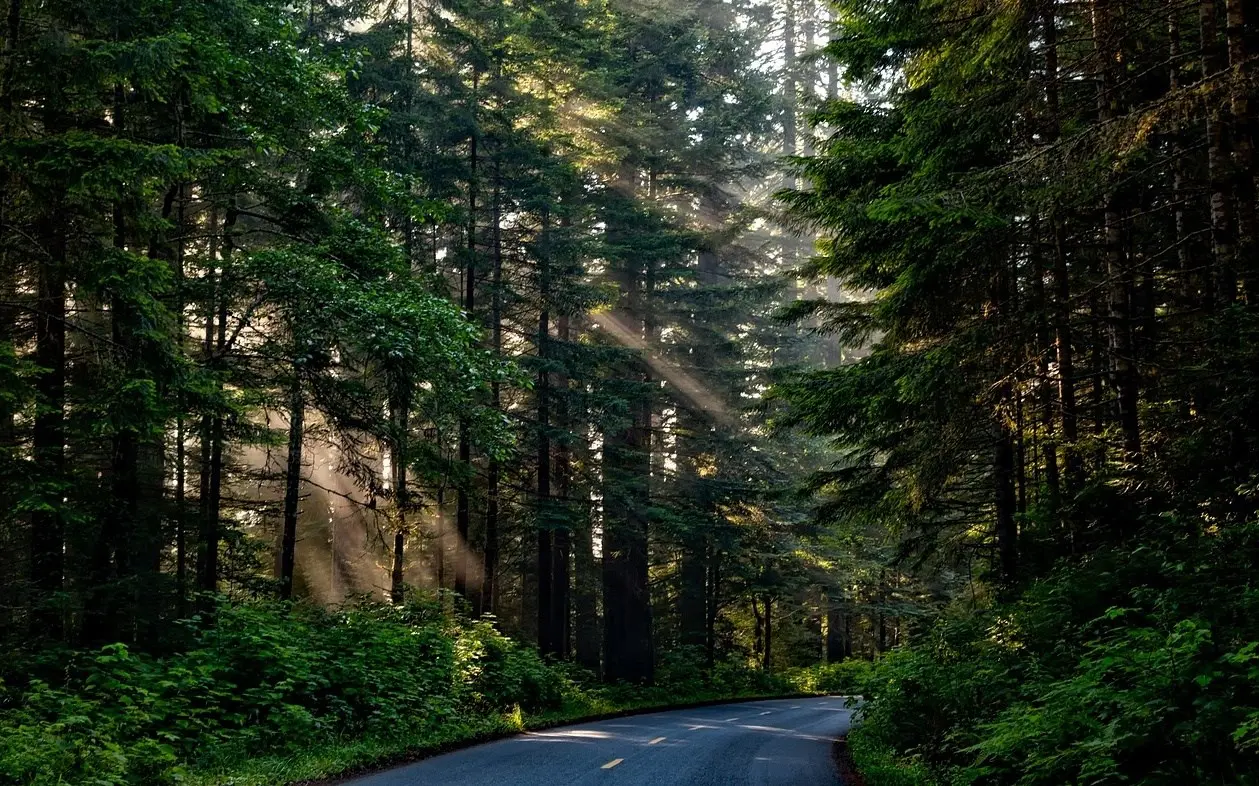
{"x":846,"y":678}
{"x":271,"y":680}
{"x":1139,"y":666}
{"x":263,"y":679}
{"x":497,"y":674}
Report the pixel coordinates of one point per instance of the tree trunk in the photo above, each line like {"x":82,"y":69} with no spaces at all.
{"x":545,"y":547}
{"x":585,"y":598}
{"x":1007,"y":526}
{"x":181,"y":424}
{"x":488,"y":597}
{"x":767,"y":662}
{"x":758,"y":628}
{"x":692,"y":595}
{"x":440,"y":528}
{"x":1060,"y":274}
{"x":627,"y":628}
{"x":586,"y":571}
{"x":1118,"y":277}
{"x":212,"y":426}
{"x":292,"y":485}
{"x":1224,"y":282}
{"x":399,"y":456}
{"x":561,"y":603}
{"x":547,"y":643}
{"x":1242,"y":138}
{"x":836,"y":649}
{"x":626,"y":604}
{"x":1044,"y":346}
{"x":790,"y":133}
{"x":714,"y":606}
{"x":463,"y":504}
{"x":48,"y":435}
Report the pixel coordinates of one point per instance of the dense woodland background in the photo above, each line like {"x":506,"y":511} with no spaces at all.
{"x":355,"y":348}
{"x":355,"y":297}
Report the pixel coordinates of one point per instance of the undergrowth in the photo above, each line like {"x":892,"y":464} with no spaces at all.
{"x":271,"y":694}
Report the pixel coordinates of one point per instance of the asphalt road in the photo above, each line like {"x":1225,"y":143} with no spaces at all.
{"x":783,"y":742}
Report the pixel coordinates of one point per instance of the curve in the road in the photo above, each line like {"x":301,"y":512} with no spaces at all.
{"x":763,"y":743}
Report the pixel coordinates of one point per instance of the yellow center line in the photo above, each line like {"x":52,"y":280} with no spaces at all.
{"x":656,"y":740}
{"x":611,"y":764}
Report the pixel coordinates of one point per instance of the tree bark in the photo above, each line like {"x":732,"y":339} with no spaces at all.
{"x":545,"y":552}
{"x":463,"y":503}
{"x":1007,"y":526}
{"x":1242,"y":139}
{"x":1064,"y":352}
{"x":561,"y":582}
{"x":488,"y":597}
{"x":836,"y":631}
{"x":692,"y":596}
{"x":767,"y":652}
{"x":48,"y":435}
{"x":399,"y":456}
{"x":292,"y":485}
{"x":1223,"y":283}
{"x":627,"y":627}
{"x":1119,"y":278}
{"x":586,"y":599}
{"x":212,"y":425}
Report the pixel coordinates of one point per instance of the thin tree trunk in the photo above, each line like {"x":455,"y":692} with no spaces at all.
{"x":767,"y":661}
{"x":1007,"y":526}
{"x":1224,"y":282}
{"x":627,"y":637}
{"x":1119,"y":278}
{"x":1242,"y":138}
{"x":440,"y":551}
{"x":1044,"y":346}
{"x":836,"y":650}
{"x":489,"y":580}
{"x":399,"y":456}
{"x":1184,"y":297}
{"x":790,"y":245}
{"x":212,"y":428}
{"x":545,"y":552}
{"x":586,"y":571}
{"x":463,"y":511}
{"x":714,"y":606}
{"x":1063,"y":350}
{"x":292,"y":485}
{"x":586,"y":598}
{"x":561,"y":603}
{"x":692,"y":595}
{"x":181,"y":424}
{"x":758,"y":628}
{"x":48,"y":434}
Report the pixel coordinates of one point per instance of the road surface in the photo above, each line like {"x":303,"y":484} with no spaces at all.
{"x":782,"y":742}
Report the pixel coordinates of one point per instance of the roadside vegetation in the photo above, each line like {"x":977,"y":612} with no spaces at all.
{"x":270,"y":694}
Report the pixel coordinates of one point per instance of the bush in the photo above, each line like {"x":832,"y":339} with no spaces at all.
{"x":880,"y":766}
{"x":263,"y":679}
{"x":1137,"y":667}
{"x":846,"y":678}
{"x":275,"y":682}
{"x":496,"y":674}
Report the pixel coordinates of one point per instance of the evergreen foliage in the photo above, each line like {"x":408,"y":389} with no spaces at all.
{"x":301,"y":302}
{"x":1051,"y":208}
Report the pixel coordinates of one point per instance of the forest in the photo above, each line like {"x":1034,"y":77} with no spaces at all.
{"x":380,"y":375}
